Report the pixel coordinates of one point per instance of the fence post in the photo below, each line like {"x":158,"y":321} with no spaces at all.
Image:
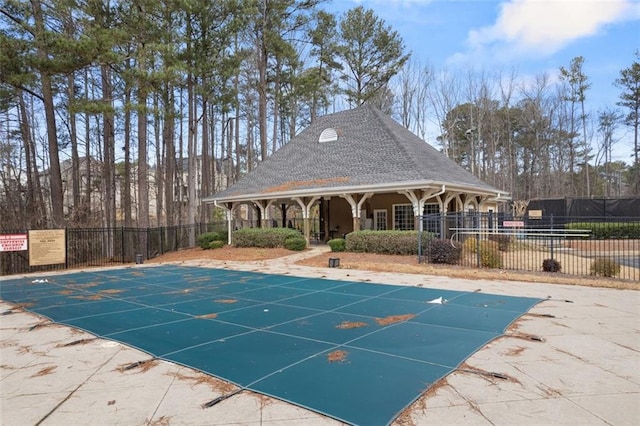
{"x":478,"y":248}
{"x":66,"y":249}
{"x":122,"y":243}
{"x":551,"y":221}
{"x":420,"y":241}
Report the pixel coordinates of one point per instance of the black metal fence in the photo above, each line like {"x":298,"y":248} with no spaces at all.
{"x":595,"y":246}
{"x":574,"y":245}
{"x":108,"y":246}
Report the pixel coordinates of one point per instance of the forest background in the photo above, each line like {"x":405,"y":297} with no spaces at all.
{"x":111,"y":109}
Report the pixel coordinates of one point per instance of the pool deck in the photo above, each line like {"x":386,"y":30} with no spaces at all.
{"x":573,"y":359}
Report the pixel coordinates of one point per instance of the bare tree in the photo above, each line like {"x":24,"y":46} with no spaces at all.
{"x":443,"y":96}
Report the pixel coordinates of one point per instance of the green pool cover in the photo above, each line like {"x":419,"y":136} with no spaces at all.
{"x":358,"y":352}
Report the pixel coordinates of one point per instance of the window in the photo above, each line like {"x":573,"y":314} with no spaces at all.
{"x":431,"y":208}
{"x":403,"y":217}
{"x":380,"y":220}
{"x":431,"y":218}
{"x":328,"y":135}
{"x":472,"y":218}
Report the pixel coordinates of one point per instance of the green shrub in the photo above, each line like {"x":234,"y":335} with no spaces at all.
{"x":606,"y":230}
{"x":443,"y":251}
{"x":337,"y":244}
{"x":216,"y":244}
{"x":489,"y":253}
{"x":605,"y":267}
{"x":470,"y":245}
{"x":551,"y":265}
{"x":386,"y":242}
{"x":504,"y":241}
{"x":205,"y":239}
{"x":263,"y":237}
{"x":295,"y":243}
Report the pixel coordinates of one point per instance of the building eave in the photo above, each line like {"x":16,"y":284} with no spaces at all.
{"x":497,"y":195}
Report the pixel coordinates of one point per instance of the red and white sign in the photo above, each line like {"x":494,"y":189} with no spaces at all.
{"x":513,"y":224}
{"x":13,"y":242}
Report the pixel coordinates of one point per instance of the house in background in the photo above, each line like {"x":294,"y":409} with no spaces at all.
{"x":90,"y":173}
{"x":91,"y":182}
{"x":360,"y":170}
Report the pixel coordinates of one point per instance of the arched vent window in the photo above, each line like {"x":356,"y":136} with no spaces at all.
{"x":328,"y":135}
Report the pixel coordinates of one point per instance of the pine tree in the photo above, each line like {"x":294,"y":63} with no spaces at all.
{"x":578,"y":85}
{"x":371,"y":54}
{"x":324,"y":46}
{"x":629,"y":82}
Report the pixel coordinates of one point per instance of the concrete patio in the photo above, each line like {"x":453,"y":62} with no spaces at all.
{"x":573,"y":359}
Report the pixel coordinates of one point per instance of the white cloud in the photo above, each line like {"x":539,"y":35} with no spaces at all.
{"x":546,"y":26}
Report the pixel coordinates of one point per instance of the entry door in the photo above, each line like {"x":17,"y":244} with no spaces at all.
{"x":380,"y":220}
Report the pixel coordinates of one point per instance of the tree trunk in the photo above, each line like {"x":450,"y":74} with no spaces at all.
{"x":78,"y":215}
{"x":237,"y":143}
{"x":143,"y":178}
{"x":55,"y":177}
{"x":276,"y":101}
{"x":159,"y":190}
{"x":126,"y":179}
{"x":205,"y":166}
{"x":109,"y":149}
{"x":36,"y":214}
{"x":170,"y":155}
{"x":191,"y":151}
{"x":229,"y":139}
{"x":262,"y":84}
{"x":86,"y":202}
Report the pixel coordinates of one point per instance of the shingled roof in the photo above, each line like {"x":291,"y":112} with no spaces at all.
{"x":371,"y":152}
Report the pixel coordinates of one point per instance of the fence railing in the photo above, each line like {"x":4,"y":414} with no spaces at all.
{"x":578,"y":245}
{"x":596,"y":246}
{"x":108,"y":246}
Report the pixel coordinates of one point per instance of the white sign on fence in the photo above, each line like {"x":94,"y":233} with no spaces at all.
{"x":13,"y":242}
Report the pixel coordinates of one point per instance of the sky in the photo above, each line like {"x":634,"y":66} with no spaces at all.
{"x":529,"y":37}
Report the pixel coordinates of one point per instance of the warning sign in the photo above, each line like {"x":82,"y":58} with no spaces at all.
{"x":13,"y":242}
{"x":513,"y":223}
{"x":46,"y":247}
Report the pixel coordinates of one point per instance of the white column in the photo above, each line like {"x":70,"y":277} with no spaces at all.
{"x":263,"y":206}
{"x":418,"y":203}
{"x":306,"y":213}
{"x":356,"y":207}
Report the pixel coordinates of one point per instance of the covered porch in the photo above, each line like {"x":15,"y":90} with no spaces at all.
{"x":324,"y":215}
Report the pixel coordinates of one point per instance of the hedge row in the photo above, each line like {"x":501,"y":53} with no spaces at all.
{"x":386,"y":242}
{"x":263,"y":237}
{"x":605,"y":230}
